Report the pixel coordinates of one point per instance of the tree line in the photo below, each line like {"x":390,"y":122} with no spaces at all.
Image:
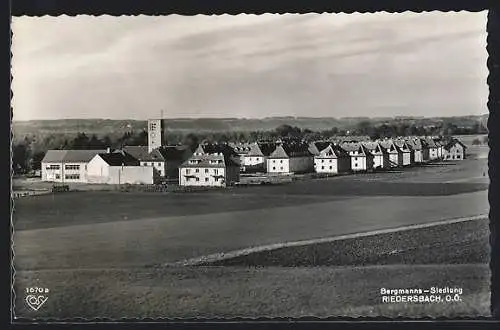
{"x":28,"y":151}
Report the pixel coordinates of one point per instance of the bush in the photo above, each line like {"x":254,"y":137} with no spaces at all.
{"x":476,"y":142}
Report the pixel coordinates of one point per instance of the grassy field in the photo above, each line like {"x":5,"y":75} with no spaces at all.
{"x":102,"y":253}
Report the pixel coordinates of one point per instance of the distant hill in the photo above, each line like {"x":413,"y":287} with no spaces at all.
{"x":109,"y":126}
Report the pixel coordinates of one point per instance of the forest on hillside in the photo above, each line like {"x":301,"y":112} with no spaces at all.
{"x":29,"y":147}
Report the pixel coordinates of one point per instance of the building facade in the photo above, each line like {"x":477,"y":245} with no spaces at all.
{"x":290,"y":157}
{"x":361,"y":158}
{"x":394,"y":152}
{"x":210,"y":166}
{"x":380,"y":155}
{"x":332,"y":160}
{"x":67,"y":165}
{"x":454,"y":150}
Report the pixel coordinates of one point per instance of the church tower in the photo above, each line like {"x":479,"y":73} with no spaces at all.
{"x":155,"y":133}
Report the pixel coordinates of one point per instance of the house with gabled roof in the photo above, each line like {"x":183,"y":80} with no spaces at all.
{"x":67,"y":165}
{"x":380,"y":155}
{"x":455,"y":150}
{"x":290,"y":157}
{"x":255,"y":160}
{"x":332,"y":159}
{"x":395,"y":153}
{"x":420,"y":149}
{"x":315,"y":147}
{"x":211,"y":165}
{"x":433,"y":148}
{"x":407,"y":151}
{"x":361,"y":157}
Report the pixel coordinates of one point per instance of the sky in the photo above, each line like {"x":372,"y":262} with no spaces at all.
{"x":253,"y":66}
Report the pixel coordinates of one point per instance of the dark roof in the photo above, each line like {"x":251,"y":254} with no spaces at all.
{"x":138,"y":152}
{"x":453,"y":142}
{"x":207,"y":160}
{"x":216,"y":148}
{"x":332,"y":151}
{"x":374,"y":147}
{"x":206,"y":152}
{"x":289,"y":150}
{"x":70,"y":156}
{"x":355,"y":146}
{"x":159,"y":154}
{"x":119,"y":159}
{"x":403,"y":145}
{"x":390,"y":146}
{"x":316,"y":146}
{"x":263,"y":149}
{"x":241,"y":148}
{"x":173,"y":152}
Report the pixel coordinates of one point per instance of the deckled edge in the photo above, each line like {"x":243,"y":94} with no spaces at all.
{"x":493,"y":42}
{"x":492,"y":122}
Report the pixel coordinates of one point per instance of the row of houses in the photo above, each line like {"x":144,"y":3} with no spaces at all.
{"x":335,"y":157}
{"x":221,"y":164}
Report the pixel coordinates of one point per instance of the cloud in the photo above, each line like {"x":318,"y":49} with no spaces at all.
{"x":249,"y":65}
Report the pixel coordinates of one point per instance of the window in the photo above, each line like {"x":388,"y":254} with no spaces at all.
{"x":197,"y":179}
{"x":159,"y":164}
{"x":281,"y":161}
{"x":206,"y":170}
{"x":281,"y":168}
{"x":330,"y":160}
{"x":274,"y":168}
{"x":216,"y":179}
{"x":331,"y":167}
{"x":72,"y":167}
{"x":72,"y":176}
{"x":58,"y":176}
{"x":216,"y":172}
{"x":188,"y":170}
{"x":258,"y":159}
{"x":197,"y":170}
{"x":355,"y":164}
{"x":458,"y":156}
{"x":53,"y":167}
{"x":322,"y":160}
{"x":322,"y":167}
{"x":274,"y":161}
{"x":355,"y":158}
{"x":206,"y":179}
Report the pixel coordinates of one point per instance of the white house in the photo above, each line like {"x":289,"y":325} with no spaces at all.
{"x":242,"y":150}
{"x":211,"y":165}
{"x":420,"y":150}
{"x":67,"y":165}
{"x":361,"y":158}
{"x":407,"y":152}
{"x":255,"y":160}
{"x":433,"y":148}
{"x":395,"y":153}
{"x":454,"y":150}
{"x":290,"y":157}
{"x":380,"y":155}
{"x":332,"y":160}
{"x":119,"y":168}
